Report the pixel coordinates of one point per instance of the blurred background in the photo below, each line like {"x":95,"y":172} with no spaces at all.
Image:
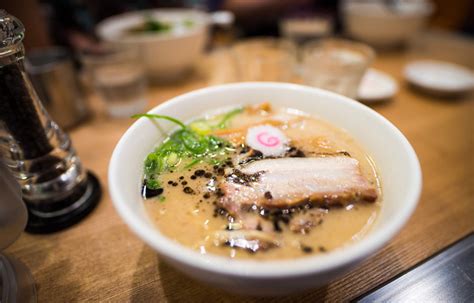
{"x":72,"y":22}
{"x":115,"y":51}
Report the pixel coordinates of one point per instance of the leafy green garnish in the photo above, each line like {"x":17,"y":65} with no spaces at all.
{"x":152,"y":183}
{"x":204,"y":127}
{"x":229,"y":116}
{"x":188,"y":146}
{"x":188,"y":23}
{"x":160,"y":117}
{"x":151,"y":25}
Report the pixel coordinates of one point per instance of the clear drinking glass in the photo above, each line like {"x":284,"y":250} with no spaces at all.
{"x":336,"y":65}
{"x":118,"y":76}
{"x":265,"y":59}
{"x":16,"y":282}
{"x":303,"y":29}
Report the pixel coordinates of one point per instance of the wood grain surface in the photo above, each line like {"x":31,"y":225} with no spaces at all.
{"x":101,"y":260}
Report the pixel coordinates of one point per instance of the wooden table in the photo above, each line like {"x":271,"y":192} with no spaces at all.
{"x":101,"y":260}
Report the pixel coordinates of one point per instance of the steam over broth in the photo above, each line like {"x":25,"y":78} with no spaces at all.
{"x":281,"y":184}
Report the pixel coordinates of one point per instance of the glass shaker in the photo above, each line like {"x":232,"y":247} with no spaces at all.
{"x":16,"y":282}
{"x":56,"y":188}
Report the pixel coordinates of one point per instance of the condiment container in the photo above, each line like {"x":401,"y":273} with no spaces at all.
{"x":56,"y":188}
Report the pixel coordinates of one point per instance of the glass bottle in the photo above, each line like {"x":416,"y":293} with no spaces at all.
{"x":55,"y":186}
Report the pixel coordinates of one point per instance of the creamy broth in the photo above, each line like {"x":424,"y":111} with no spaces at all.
{"x":186,"y":212}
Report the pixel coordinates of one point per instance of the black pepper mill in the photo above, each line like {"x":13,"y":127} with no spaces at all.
{"x":57,"y":190}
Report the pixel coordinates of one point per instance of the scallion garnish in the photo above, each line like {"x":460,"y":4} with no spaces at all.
{"x":186,"y":147}
{"x":229,"y":116}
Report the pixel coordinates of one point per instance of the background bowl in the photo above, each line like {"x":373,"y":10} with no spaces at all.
{"x":396,"y":161}
{"x":166,"y":55}
{"x":382,"y":24}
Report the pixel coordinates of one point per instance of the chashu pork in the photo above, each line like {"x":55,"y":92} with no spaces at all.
{"x":289,"y":182}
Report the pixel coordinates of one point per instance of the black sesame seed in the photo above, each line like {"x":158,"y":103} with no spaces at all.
{"x":188,"y":190}
{"x":184,"y":182}
{"x":345,"y":153}
{"x":306,"y":249}
{"x":175,"y":184}
{"x":199,"y":172}
{"x":219,"y":192}
{"x":193,"y":177}
{"x":276,"y":226}
{"x":285,"y":218}
{"x":299,"y":154}
{"x":181,"y":177}
{"x":170,"y":182}
{"x":268,"y":195}
{"x":207,"y":175}
{"x":207,"y":195}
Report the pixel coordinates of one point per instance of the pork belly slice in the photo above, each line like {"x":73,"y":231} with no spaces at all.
{"x":251,"y":240}
{"x":289,"y":182}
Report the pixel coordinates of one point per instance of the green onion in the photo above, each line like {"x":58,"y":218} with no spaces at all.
{"x":201,"y":127}
{"x":152,"y":183}
{"x":173,"y":159}
{"x":188,"y":23}
{"x":153,"y":163}
{"x":188,"y":146}
{"x":160,"y":117}
{"x":192,"y":163}
{"x":229,"y":116}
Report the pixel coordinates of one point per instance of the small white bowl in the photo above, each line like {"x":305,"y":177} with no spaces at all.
{"x":382,"y":24}
{"x":395,"y":158}
{"x":166,"y":55}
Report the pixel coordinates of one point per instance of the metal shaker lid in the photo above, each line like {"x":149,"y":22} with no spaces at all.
{"x":12,"y":30}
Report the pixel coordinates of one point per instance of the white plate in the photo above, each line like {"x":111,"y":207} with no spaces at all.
{"x":376,"y":86}
{"x":439,"y":77}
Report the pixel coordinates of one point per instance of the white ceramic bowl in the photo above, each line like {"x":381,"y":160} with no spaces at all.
{"x":378,"y":24}
{"x":395,"y":158}
{"x":166,"y":55}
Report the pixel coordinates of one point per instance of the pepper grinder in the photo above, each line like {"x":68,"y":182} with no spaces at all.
{"x":56,"y":189}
